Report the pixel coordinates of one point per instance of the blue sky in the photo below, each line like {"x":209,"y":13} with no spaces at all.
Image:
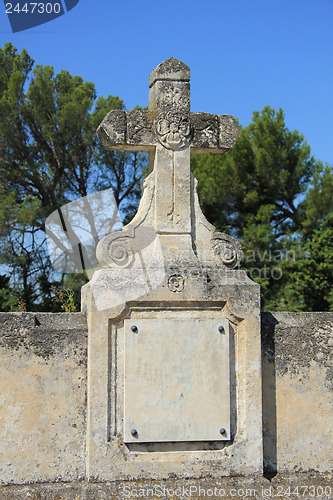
{"x":243,"y":54}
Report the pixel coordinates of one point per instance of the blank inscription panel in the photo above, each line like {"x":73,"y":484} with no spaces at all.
{"x":177,"y":380}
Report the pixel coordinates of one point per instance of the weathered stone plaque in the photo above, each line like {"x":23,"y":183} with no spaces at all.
{"x":177,"y":383}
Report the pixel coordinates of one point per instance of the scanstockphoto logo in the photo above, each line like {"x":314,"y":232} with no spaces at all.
{"x":24,"y":15}
{"x":73,"y":233}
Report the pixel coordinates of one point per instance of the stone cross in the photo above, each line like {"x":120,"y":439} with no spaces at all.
{"x":169,"y":131}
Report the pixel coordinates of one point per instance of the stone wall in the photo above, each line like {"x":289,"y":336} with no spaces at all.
{"x":297,"y":378}
{"x":43,"y":395}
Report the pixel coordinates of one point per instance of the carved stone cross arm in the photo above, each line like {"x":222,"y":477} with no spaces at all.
{"x":136,"y":131}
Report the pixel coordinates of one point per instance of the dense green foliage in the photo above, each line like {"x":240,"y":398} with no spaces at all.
{"x":277,"y":199}
{"x":50,"y":155}
{"x":268,"y":191}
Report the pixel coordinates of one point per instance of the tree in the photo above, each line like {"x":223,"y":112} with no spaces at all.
{"x":273,"y":195}
{"x":318,"y":202}
{"x":50,"y":155}
{"x":8,"y":300}
{"x":269,"y":166}
{"x":310,"y":285}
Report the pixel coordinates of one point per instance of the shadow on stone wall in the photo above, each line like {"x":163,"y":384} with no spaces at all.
{"x":268,"y":323}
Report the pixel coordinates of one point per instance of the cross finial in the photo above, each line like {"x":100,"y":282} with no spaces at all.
{"x":172,"y":70}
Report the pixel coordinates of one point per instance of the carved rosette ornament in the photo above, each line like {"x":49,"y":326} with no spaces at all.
{"x":176,"y":283}
{"x":173,"y":130}
{"x":227,"y":250}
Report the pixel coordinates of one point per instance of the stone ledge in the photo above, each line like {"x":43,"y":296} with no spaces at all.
{"x":308,"y":485}
{"x":46,"y":320}
{"x":45,"y":334}
{"x":295,"y":340}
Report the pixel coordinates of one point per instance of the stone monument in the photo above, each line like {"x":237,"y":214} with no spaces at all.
{"x":174,"y":357}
